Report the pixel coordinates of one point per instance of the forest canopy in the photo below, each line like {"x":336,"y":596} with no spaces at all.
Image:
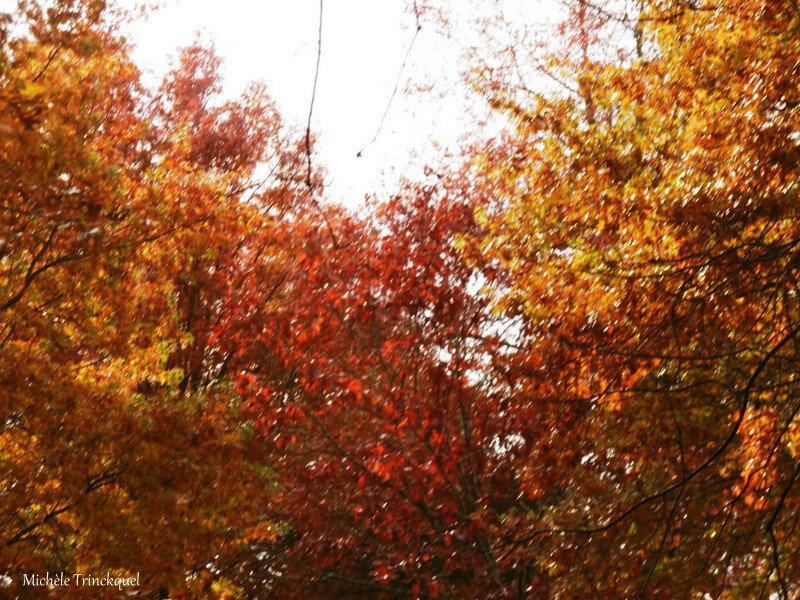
{"x":562,"y":368}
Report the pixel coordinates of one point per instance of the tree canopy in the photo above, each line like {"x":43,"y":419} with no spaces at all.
{"x":561,"y":369}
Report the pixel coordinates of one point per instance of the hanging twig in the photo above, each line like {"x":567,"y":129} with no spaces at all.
{"x":309,"y":179}
{"x":313,"y":99}
{"x":396,"y":84}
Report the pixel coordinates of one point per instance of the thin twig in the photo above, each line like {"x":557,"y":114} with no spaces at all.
{"x":313,"y":99}
{"x":394,"y":91}
{"x":309,"y":180}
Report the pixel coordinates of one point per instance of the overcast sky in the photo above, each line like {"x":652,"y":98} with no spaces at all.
{"x":364,"y":43}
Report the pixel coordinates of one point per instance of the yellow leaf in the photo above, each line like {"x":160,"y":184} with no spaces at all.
{"x":30,"y":91}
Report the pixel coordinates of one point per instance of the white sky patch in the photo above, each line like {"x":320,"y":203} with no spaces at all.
{"x":363,"y":46}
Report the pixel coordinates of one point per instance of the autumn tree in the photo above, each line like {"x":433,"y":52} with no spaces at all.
{"x":646,"y":216}
{"x":127,"y":217}
{"x":390,"y":425}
